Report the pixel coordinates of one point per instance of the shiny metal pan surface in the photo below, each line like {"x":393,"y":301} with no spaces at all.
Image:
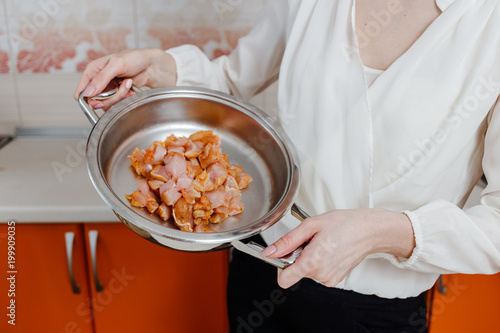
{"x":250,"y":138}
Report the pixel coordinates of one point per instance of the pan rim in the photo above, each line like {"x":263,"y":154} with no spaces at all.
{"x":98,"y":176}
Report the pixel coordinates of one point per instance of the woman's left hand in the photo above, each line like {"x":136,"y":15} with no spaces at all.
{"x":338,"y":241}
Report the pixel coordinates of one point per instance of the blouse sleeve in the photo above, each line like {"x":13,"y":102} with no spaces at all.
{"x":250,"y":68}
{"x":451,"y":240}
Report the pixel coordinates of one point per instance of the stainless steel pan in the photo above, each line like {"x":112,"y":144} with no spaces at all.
{"x":250,"y":137}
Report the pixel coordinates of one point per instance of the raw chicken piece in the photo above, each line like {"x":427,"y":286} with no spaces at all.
{"x":164,"y":211}
{"x":220,"y":214}
{"x":169,"y":193}
{"x":155,"y":184}
{"x":234,"y":170}
{"x":194,"y":149}
{"x":202,"y":210}
{"x":184,"y":182}
{"x":203,"y":183}
{"x":155,"y":153}
{"x":218,"y":197}
{"x":144,"y":197}
{"x":203,"y":228}
{"x":175,"y":165}
{"x":176,"y":149}
{"x":206,"y":137}
{"x":243,"y":179}
{"x":190,"y":194}
{"x":183,"y":215}
{"x":217,"y":218}
{"x":201,"y":135}
{"x":176,"y":141}
{"x":235,"y":206}
{"x":160,"y":173}
{"x":189,"y":179}
{"x":210,"y":155}
{"x":218,"y":173}
{"x":137,"y":159}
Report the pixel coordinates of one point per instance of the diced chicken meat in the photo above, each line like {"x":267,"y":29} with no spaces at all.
{"x":183,"y":215}
{"x":137,"y":159}
{"x":164,"y":211}
{"x":155,"y":153}
{"x":202,"y":210}
{"x":189,"y":179}
{"x":203,"y":228}
{"x":194,"y":149}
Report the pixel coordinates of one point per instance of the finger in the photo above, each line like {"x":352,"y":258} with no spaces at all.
{"x":303,"y":266}
{"x":122,"y":93}
{"x":90,"y":71}
{"x":113,"y":68}
{"x":288,"y":277}
{"x":291,"y":241}
{"x":99,"y":104}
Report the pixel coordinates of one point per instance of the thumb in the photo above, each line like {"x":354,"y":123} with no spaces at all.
{"x":291,"y":241}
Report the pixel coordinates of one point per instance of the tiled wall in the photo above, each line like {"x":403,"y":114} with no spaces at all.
{"x":46,"y":44}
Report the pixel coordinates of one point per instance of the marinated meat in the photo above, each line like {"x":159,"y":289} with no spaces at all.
{"x":189,"y":179}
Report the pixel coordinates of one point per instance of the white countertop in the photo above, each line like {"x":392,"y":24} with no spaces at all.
{"x":46,"y":180}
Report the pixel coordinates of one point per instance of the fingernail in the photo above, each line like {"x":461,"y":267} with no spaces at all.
{"x":268,"y":250}
{"x":128,"y":84}
{"x":99,"y":106}
{"x":88,"y":91}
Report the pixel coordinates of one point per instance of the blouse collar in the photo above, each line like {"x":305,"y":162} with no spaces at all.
{"x":444,"y":4}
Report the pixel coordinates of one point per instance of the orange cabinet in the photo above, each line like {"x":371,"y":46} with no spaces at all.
{"x":42,"y":293}
{"x":122,"y":283}
{"x":471,"y":304}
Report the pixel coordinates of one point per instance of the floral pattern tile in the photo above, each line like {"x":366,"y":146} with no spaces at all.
{"x":62,"y":36}
{"x":4,"y":56}
{"x":215,"y":26}
{"x":4,"y":43}
{"x":46,"y":44}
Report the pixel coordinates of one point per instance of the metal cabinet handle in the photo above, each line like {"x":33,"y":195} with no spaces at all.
{"x":70,"y":239}
{"x":93,"y":249}
{"x":441,"y":287}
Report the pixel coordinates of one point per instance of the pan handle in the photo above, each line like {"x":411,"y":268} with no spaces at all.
{"x":255,"y":249}
{"x":87,"y":109}
{"x":299,"y":213}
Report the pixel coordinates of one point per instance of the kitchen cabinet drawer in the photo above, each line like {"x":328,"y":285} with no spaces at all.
{"x":470,"y":304}
{"x":126,"y":284}
{"x":44,"y":298}
{"x":149,"y":288}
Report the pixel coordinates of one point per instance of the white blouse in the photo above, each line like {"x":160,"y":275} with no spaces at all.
{"x":371,"y":75}
{"x":416,"y":140}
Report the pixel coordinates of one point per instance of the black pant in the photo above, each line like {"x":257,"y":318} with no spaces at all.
{"x":256,"y":304}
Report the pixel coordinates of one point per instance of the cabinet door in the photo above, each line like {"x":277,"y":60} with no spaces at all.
{"x":471,"y":304}
{"x":149,"y":288}
{"x":44,"y":298}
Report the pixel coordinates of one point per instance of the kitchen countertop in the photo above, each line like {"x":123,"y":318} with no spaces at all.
{"x":46,"y":180}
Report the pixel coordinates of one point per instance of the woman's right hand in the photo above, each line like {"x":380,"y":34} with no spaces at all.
{"x":153,"y":68}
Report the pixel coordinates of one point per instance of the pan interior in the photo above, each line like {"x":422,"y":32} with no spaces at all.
{"x":249,"y":142}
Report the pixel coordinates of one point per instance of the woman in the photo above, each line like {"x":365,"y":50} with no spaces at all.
{"x":394,"y":113}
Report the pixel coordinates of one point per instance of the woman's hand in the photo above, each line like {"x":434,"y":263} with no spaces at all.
{"x":142,"y":67}
{"x":338,"y":241}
